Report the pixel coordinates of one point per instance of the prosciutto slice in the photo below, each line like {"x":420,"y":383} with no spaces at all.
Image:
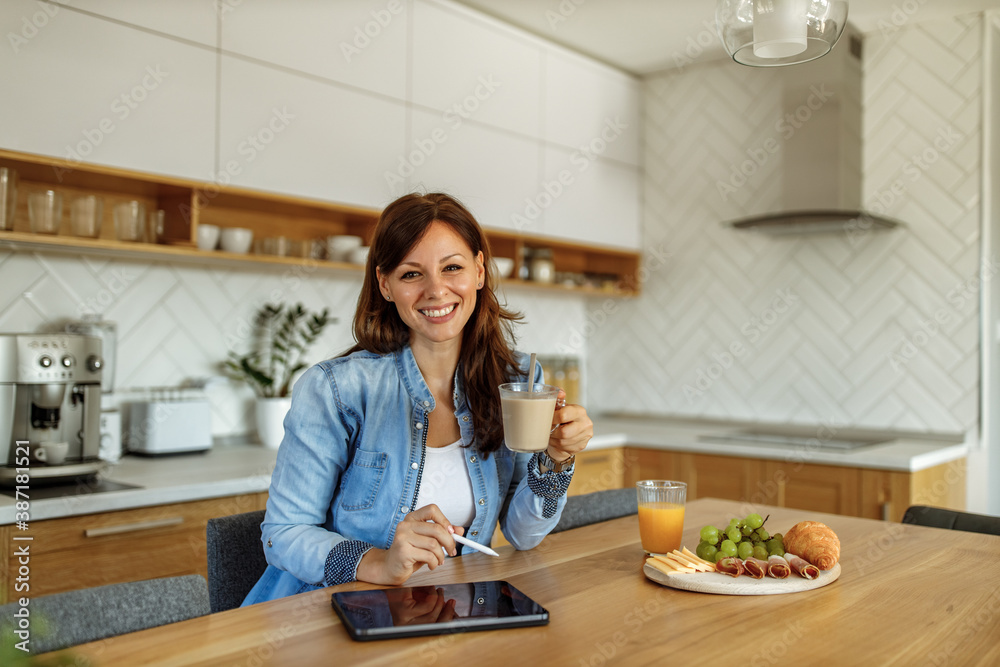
{"x":730,"y":565}
{"x":755,"y":567}
{"x":778,"y":568}
{"x":802,"y":567}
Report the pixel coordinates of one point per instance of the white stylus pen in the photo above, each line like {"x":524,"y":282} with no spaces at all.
{"x":475,"y":545}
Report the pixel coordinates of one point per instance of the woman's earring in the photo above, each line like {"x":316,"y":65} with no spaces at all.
{"x":480,"y":286}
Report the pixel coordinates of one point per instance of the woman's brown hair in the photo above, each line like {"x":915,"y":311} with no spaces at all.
{"x":487,"y":357}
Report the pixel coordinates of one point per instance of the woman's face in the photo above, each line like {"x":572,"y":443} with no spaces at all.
{"x":435,"y":286}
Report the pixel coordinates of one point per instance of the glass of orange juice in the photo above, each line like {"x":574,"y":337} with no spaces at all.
{"x":661,"y":514}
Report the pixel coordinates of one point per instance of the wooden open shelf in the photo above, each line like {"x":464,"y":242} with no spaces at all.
{"x":188,"y":204}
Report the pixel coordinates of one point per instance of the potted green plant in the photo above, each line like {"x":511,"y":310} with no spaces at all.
{"x":283,"y":335}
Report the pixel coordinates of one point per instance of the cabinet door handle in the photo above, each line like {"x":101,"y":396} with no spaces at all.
{"x":886,"y":511}
{"x":133,"y":527}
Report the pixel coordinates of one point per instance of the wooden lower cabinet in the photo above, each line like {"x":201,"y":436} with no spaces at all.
{"x":874,"y":494}
{"x":598,"y":470}
{"x":113,"y":547}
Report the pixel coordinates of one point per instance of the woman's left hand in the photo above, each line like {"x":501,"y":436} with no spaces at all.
{"x":571,"y":429}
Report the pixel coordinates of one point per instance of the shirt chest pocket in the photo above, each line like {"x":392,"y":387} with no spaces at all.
{"x":360,"y":483}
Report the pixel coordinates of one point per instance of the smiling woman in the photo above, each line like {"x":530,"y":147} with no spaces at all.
{"x":396,"y":446}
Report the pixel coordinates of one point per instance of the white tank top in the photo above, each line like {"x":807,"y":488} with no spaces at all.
{"x":446,"y":483}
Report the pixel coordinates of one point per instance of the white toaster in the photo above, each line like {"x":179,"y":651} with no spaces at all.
{"x":168,"y":427}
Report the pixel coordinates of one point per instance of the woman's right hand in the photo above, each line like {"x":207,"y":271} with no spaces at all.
{"x":418,"y":541}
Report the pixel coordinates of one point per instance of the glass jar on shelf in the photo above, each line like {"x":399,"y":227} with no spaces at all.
{"x":543,"y":269}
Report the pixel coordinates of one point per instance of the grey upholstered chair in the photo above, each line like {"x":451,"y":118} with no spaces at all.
{"x":235,"y":558}
{"x":90,"y":614}
{"x":937,"y":517}
{"x":598,"y":506}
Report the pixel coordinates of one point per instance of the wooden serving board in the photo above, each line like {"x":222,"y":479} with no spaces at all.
{"x":723,"y":584}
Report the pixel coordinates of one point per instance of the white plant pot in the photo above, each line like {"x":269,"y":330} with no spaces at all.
{"x":270,"y":420}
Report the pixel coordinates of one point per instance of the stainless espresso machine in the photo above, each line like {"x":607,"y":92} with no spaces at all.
{"x":50,"y":391}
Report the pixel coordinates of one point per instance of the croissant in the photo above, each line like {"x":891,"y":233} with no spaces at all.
{"x":815,"y":542}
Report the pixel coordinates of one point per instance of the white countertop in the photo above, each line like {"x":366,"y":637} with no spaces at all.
{"x":904,"y":452}
{"x":230,"y":470}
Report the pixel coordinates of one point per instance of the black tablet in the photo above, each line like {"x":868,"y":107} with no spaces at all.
{"x":414,"y":611}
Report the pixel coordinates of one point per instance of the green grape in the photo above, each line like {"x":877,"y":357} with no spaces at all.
{"x":774,"y":544}
{"x":706,"y":551}
{"x":762,"y":534}
{"x":754,"y":521}
{"x":760,"y":551}
{"x":744,"y":550}
{"x":777,"y":552}
{"x":728,"y":548}
{"x":746,"y":530}
{"x":734,"y":534}
{"x":734,"y":522}
{"x":710,"y":534}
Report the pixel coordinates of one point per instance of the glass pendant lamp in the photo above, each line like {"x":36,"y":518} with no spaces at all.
{"x":772,"y":33}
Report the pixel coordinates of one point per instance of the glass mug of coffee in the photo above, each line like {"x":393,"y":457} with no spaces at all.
{"x":527,"y":416}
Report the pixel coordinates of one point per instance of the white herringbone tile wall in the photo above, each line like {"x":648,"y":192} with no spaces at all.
{"x":873,"y":331}
{"x":176,"y":322}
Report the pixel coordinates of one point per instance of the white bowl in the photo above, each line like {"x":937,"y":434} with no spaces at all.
{"x":237,"y":239}
{"x":504,"y":266}
{"x":339,"y":248}
{"x":208,"y":237}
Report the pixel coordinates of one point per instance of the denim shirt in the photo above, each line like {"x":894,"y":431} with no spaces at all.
{"x":348,"y":471}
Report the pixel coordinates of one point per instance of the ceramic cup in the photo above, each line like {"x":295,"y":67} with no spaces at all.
{"x":50,"y":453}
{"x":236,"y":239}
{"x":208,"y":237}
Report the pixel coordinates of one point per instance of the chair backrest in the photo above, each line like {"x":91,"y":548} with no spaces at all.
{"x":937,"y":517}
{"x":77,"y":617}
{"x":235,"y":558}
{"x":598,"y":506}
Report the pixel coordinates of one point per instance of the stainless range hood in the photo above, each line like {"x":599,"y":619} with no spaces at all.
{"x":818,"y":141}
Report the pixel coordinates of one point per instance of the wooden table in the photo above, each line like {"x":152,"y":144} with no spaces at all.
{"x":907,"y":595}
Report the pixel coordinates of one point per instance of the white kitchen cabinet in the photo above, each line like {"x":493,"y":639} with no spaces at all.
{"x":590,"y":107}
{"x":360,"y":43}
{"x":195,"y":21}
{"x":490,"y":171}
{"x":281,"y":132}
{"x":595,"y":201}
{"x":91,"y":90}
{"x":469,"y":67}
